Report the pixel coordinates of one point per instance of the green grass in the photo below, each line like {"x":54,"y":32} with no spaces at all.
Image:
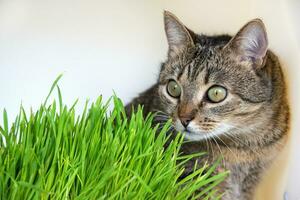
{"x":55,"y":154}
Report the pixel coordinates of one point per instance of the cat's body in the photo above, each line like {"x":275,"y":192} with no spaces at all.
{"x":248,"y":126}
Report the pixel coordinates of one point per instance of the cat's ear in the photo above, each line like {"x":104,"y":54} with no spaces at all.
{"x":178,"y":35}
{"x":250,"y":43}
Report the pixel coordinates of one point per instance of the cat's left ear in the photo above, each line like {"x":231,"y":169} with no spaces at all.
{"x":178,"y":35}
{"x":250,"y":43}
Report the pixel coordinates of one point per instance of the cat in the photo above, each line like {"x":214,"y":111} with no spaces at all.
{"x":227,"y":95}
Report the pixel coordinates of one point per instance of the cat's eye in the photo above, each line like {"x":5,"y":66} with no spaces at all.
{"x":173,"y":89}
{"x":216,"y":94}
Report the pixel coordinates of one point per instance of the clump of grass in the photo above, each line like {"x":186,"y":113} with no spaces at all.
{"x":54,"y":154}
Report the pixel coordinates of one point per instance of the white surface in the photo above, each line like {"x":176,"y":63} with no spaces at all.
{"x":101,"y":47}
{"x":293,"y":8}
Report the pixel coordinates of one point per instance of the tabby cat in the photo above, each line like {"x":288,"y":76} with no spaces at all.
{"x":227,"y":96}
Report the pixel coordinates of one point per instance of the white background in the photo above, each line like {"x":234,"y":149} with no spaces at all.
{"x":101,"y":47}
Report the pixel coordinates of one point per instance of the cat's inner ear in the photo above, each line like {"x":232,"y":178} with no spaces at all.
{"x":177,"y":34}
{"x":250,"y":43}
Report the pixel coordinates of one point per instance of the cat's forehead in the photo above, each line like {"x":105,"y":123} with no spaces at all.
{"x":198,"y":64}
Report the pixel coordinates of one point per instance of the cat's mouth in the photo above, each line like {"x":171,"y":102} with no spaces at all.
{"x":193,"y":136}
{"x":190,"y":132}
{"x":195,"y":133}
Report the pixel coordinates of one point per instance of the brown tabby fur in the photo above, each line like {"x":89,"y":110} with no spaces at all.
{"x":256,"y":107}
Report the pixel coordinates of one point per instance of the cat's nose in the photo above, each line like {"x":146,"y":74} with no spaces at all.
{"x":185,"y":121}
{"x":186,"y":113}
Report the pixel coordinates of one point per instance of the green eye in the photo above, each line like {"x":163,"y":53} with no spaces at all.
{"x":216,"y":94}
{"x":173,"y":89}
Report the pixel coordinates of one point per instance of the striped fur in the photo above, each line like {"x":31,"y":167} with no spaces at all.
{"x":249,"y":128}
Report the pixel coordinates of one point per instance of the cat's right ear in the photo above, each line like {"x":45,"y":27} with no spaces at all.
{"x":178,"y":36}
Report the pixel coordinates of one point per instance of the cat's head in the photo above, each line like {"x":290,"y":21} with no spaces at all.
{"x":210,"y":86}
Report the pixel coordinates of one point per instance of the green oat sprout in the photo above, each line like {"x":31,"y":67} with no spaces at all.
{"x":53,"y":153}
